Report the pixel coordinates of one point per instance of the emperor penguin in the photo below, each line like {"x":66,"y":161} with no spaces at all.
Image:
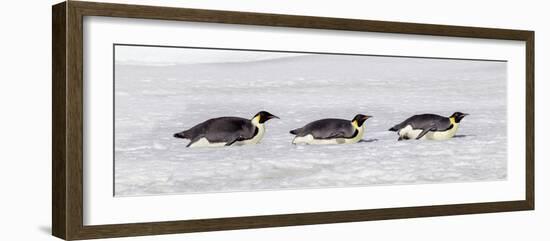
{"x":227,"y":131}
{"x":429,"y":126}
{"x":331,"y":131}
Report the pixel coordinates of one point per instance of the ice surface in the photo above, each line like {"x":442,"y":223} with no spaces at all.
{"x":154,"y":102}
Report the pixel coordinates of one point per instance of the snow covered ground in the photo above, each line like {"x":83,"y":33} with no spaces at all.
{"x":153,"y":102}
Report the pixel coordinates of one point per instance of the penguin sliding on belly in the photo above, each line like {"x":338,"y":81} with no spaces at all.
{"x":429,"y":126}
{"x":227,"y":131}
{"x":331,"y":131}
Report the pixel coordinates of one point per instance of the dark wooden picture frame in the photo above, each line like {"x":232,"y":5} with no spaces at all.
{"x":67,"y":150}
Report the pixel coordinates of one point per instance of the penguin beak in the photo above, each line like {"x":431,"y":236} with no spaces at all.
{"x":267,"y":117}
{"x":367,"y":117}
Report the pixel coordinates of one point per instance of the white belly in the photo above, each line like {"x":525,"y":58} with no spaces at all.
{"x":308,"y":139}
{"x":312,"y":141}
{"x":409,"y":133}
{"x":203,"y":142}
{"x":442,"y":135}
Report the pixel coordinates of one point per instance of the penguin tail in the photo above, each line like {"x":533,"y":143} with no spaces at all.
{"x":395,"y":128}
{"x":295,"y":132}
{"x":182,"y":135}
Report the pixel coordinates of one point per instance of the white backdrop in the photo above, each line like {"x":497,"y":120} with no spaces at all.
{"x":25,"y":122}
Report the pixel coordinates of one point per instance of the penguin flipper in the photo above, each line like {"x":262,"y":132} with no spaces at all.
{"x":229,"y":143}
{"x":234,"y":139}
{"x":336,"y":134}
{"x":425,"y":131}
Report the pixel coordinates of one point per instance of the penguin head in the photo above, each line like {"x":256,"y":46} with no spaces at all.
{"x":458,"y":116}
{"x":263,"y":116}
{"x":360,"y":119}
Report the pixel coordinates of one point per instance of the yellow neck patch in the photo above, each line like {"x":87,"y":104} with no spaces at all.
{"x":354,"y":124}
{"x":256,"y":119}
{"x":452,"y":119}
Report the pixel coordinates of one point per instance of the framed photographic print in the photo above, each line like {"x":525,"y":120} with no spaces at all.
{"x":171,"y":120}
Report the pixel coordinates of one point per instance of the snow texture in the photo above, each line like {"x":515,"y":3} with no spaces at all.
{"x":153,"y":102}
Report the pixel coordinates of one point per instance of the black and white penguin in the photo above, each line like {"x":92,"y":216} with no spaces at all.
{"x":331,"y":131}
{"x":227,"y":131}
{"x":429,"y":126}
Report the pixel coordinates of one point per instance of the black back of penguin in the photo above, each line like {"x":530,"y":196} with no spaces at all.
{"x":424,"y":121}
{"x":326,"y":129}
{"x":222,"y":129}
